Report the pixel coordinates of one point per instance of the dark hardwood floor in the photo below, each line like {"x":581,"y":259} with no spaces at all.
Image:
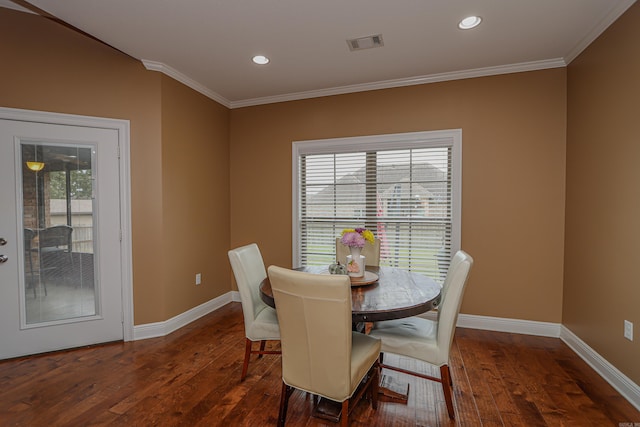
{"x":192,"y":378}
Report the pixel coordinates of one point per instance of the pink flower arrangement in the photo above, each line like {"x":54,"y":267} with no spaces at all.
{"x":356,"y":237}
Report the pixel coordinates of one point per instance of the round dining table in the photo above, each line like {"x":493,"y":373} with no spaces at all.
{"x":387,"y":293}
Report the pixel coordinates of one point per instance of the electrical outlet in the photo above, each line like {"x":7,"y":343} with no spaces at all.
{"x":198,"y":278}
{"x":628,"y":330}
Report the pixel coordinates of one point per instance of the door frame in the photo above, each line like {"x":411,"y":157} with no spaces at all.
{"x":122,"y":128}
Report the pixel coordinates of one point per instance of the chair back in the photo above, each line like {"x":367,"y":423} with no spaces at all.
{"x":451,"y":299}
{"x":248,"y":269}
{"x":371,"y":252}
{"x":56,"y":236}
{"x":314,"y":312}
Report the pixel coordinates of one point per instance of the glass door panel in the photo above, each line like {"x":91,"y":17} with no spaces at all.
{"x":58,"y":219}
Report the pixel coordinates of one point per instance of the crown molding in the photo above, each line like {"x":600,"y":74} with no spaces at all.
{"x":386,"y":84}
{"x":188,"y":81}
{"x":611,"y":17}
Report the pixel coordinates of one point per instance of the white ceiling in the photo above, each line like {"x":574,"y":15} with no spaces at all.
{"x":208,"y":44}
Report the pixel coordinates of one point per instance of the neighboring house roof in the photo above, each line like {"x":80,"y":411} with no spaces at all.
{"x":393,"y":181}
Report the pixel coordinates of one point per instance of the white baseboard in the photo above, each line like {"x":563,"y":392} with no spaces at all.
{"x":160,"y":329}
{"x":501,"y":324}
{"x":235,"y":296}
{"x":517,"y":326}
{"x":625,"y":386}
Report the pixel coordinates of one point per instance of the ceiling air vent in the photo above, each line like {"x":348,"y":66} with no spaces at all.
{"x":365,"y":42}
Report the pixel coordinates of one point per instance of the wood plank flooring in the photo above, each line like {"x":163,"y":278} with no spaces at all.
{"x":192,"y":378}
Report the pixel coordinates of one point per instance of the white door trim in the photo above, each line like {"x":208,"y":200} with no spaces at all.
{"x":122,"y":127}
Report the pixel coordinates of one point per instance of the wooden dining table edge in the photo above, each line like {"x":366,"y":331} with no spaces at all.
{"x":364,"y":316}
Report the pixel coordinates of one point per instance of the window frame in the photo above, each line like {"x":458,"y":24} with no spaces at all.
{"x":425,"y":139}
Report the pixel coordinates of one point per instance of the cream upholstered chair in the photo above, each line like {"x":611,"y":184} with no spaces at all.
{"x":260,"y":320}
{"x":371,"y":252}
{"x":320,"y":353}
{"x":429,"y":340}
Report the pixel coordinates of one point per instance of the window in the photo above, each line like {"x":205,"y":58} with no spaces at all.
{"x":404,"y":187}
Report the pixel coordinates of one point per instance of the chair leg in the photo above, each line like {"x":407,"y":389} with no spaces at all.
{"x":247,"y":354}
{"x":446,"y":389}
{"x":344,"y":416}
{"x":248,"y":351}
{"x":375,"y":385}
{"x":284,"y":403}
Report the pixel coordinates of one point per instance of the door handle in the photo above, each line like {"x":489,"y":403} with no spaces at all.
{"x":3,"y":259}
{"x":3,"y":241}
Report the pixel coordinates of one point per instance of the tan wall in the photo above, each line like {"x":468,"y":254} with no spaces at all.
{"x":50,"y":68}
{"x":513,"y":176}
{"x":195,"y":181}
{"x":513,"y":172}
{"x":603,"y":207}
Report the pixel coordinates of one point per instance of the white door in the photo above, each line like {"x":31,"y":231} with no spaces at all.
{"x":60,"y":253}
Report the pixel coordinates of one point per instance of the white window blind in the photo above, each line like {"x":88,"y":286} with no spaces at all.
{"x":405,"y":188}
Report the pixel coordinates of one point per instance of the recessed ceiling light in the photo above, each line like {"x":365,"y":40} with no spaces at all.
{"x":469,"y":22}
{"x":260,"y":59}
